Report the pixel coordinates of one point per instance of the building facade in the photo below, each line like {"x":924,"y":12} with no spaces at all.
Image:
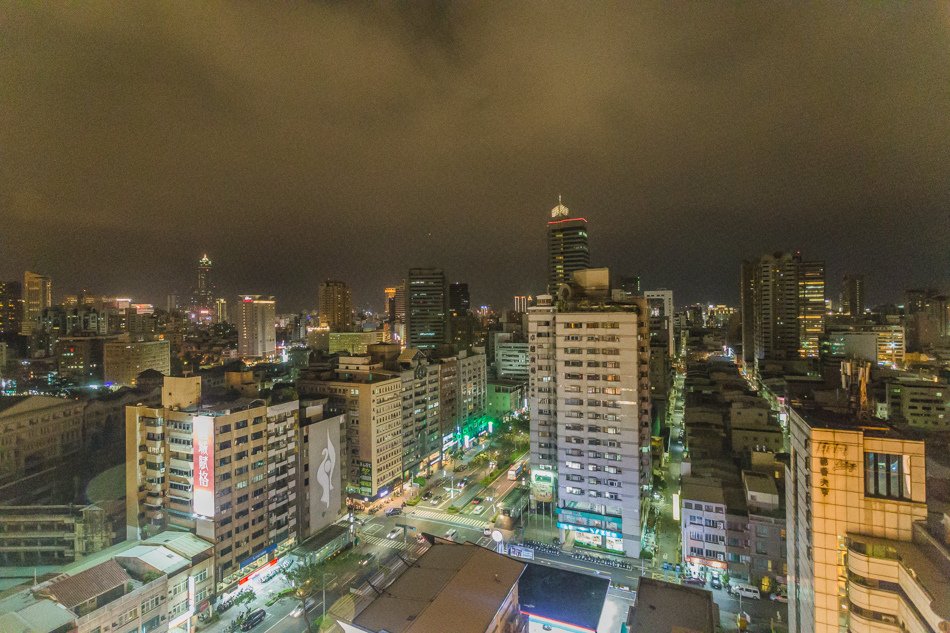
{"x":206,"y":467}
{"x":847,"y":481}
{"x":37,"y":296}
{"x":427,"y":309}
{"x":336,"y":306}
{"x":123,"y":361}
{"x":256,"y":324}
{"x":589,"y":396}
{"x":568,"y":249}
{"x":11,"y":307}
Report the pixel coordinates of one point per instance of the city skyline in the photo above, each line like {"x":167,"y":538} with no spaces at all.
{"x":719,"y":133}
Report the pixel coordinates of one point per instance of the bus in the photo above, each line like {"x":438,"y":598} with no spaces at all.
{"x":515,"y":471}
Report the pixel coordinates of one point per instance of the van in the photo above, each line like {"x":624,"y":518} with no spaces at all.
{"x":252,"y":620}
{"x":451,"y":533}
{"x":747,"y":591}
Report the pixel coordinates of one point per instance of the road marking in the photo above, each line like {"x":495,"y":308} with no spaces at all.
{"x":385,"y":542}
{"x":450,"y":519}
{"x":373,"y":528}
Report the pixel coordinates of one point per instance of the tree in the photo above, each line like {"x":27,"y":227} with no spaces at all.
{"x":245,"y":597}
{"x":304,"y":578}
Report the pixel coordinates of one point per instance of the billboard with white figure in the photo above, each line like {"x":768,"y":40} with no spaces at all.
{"x":323,"y":474}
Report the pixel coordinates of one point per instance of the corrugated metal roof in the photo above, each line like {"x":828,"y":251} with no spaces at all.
{"x":75,"y":590}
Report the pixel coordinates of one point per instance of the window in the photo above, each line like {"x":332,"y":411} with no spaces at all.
{"x":886,"y":476}
{"x":571,"y":490}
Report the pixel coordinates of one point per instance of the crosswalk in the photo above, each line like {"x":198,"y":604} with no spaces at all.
{"x":453,"y":519}
{"x":385,"y":542}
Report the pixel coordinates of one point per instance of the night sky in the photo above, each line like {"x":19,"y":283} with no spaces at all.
{"x":298,"y":142}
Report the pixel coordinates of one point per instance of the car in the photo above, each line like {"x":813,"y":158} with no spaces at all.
{"x":477,"y":500}
{"x":366,"y":559}
{"x":298,"y":610}
{"x":451,"y":534}
{"x":486,"y":531}
{"x":779,"y":597}
{"x":693,"y":580}
{"x":427,"y":495}
{"x":393,"y":533}
{"x":253,"y":619}
{"x":391,"y":512}
{"x":224,"y":605}
{"x":478,"y":510}
{"x":436,"y":500}
{"x":715,"y":583}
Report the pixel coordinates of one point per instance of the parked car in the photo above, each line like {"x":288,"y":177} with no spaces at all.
{"x":693,"y":580}
{"x":747,"y":591}
{"x":224,"y":605}
{"x":393,"y":533}
{"x":780,"y":597}
{"x":253,"y":619}
{"x":715,"y":583}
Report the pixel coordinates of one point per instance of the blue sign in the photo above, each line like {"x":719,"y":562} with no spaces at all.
{"x":267,"y":550}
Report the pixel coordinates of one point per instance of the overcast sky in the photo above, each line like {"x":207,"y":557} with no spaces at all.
{"x":298,"y":142}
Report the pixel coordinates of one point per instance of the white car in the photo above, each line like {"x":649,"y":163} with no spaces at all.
{"x":478,"y":510}
{"x":298,"y":610}
{"x":393,"y":533}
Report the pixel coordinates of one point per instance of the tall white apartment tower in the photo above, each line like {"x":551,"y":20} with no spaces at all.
{"x":589,"y":396}
{"x":256,"y":324}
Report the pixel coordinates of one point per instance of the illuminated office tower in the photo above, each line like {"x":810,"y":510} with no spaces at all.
{"x":568,"y":250}
{"x":202,"y":297}
{"x":336,"y":306}
{"x":522,"y":302}
{"x":783,"y":307}
{"x":223,"y":469}
{"x":37,"y":296}
{"x":811,"y":305}
{"x":589,"y":397}
{"x":427,"y":308}
{"x":863,"y":556}
{"x":256,"y":323}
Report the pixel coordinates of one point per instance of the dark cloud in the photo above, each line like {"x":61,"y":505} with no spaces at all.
{"x":304,"y":141}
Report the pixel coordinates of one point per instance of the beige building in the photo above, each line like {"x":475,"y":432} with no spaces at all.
{"x":371,"y":398}
{"x":51,"y":535}
{"x":256,"y":318}
{"x":922,"y":404}
{"x":336,"y":306}
{"x":210,"y":467}
{"x":39,"y":435}
{"x":123,"y":361}
{"x":852,"y":482}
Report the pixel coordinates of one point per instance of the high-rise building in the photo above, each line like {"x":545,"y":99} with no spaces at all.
{"x":568,"y":250}
{"x":660,"y":303}
{"x":861,"y":556}
{"x":202,"y":298}
{"x":787,"y":297}
{"x":852,"y":295}
{"x":37,"y":296}
{"x":123,"y":361}
{"x":336,"y":306}
{"x":427,"y":309}
{"x":590,"y":428}
{"x":389,"y":305}
{"x":400,"y":300}
{"x":256,"y":324}
{"x":459,"y":301}
{"x":11,"y":307}
{"x":221,"y":311}
{"x":225,"y":470}
{"x":811,"y":306}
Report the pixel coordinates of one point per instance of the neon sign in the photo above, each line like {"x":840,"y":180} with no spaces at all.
{"x":203,"y":447}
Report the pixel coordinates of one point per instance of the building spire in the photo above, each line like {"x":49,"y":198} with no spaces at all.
{"x":560,"y":210}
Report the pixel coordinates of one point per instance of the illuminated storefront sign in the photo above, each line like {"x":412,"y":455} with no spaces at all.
{"x":542,"y":485}
{"x":203,"y":447}
{"x":588,"y":530}
{"x":695,"y":560}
